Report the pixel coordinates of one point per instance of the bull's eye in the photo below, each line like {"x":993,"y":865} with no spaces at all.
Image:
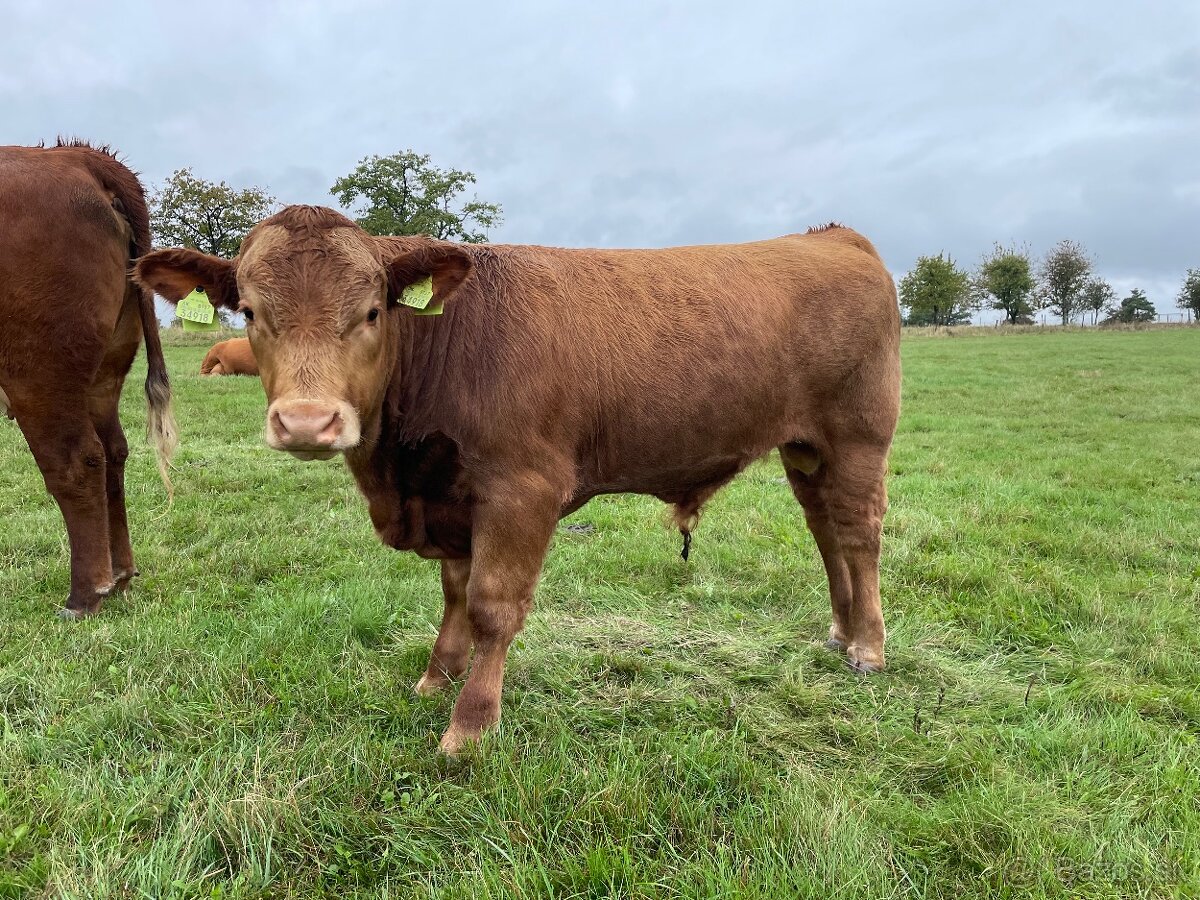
{"x":373,"y":314}
{"x":248,"y":313}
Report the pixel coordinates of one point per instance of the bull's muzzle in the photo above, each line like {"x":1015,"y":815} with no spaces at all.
{"x":312,"y":429}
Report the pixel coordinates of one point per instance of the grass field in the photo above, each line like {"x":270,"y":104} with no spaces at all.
{"x":242,"y":724}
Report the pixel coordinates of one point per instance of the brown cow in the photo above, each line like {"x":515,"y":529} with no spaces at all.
{"x":553,"y":376}
{"x":231,"y":357}
{"x":73,"y":220}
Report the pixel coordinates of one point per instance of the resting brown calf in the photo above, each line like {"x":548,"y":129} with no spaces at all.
{"x":553,"y":376}
{"x":231,"y":357}
{"x":71,"y":221}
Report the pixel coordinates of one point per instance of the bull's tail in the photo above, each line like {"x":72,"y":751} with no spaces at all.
{"x":161,"y":430}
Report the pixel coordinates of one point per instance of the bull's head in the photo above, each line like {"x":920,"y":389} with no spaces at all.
{"x":320,"y":299}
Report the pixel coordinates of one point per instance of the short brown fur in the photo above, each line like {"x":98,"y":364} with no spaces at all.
{"x":73,"y":220}
{"x":231,"y":357}
{"x":554,"y":376}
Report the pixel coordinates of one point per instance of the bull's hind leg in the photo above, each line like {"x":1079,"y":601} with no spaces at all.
{"x":116,"y":451}
{"x":857,"y":500}
{"x":71,"y":457}
{"x":808,"y":479}
{"x":452,"y":650}
{"x":844,"y":501}
{"x":104,"y":399}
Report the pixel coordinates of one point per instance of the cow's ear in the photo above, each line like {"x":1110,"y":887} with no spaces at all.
{"x":447,"y":264}
{"x":176,"y":273}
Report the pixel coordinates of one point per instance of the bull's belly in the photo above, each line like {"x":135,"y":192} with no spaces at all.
{"x":680,"y":461}
{"x":672,"y":481}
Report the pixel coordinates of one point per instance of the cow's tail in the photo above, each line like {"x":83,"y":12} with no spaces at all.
{"x":161,"y":429}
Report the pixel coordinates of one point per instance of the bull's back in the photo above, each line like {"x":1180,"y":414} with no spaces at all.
{"x":686,"y":357}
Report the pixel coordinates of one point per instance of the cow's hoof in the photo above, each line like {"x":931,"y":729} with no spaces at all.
{"x":431,"y":686}
{"x":456,"y":739}
{"x":73,"y":611}
{"x":123,"y":578}
{"x":864,"y":661}
{"x":835,"y":641}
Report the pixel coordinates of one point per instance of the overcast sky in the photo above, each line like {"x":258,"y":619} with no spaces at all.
{"x":927,"y":126}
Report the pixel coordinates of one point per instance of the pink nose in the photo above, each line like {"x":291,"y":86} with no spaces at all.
{"x":306,"y":425}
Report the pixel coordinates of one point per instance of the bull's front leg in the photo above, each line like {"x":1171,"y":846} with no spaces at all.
{"x":511,"y":531}
{"x":452,"y":650}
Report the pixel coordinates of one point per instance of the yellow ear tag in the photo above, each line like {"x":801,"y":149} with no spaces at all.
{"x":418,"y":295}
{"x":195,"y":307}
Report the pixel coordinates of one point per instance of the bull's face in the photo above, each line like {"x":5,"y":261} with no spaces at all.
{"x":319,"y":297}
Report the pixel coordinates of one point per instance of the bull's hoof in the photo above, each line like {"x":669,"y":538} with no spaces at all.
{"x":457,"y":738}
{"x":123,"y":579}
{"x":835,"y":643}
{"x":431,"y":685}
{"x":76,"y":610}
{"x":864,"y":661}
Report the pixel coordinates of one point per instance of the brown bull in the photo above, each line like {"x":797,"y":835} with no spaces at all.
{"x":72,"y":219}
{"x":552,"y":376}
{"x":231,"y":357}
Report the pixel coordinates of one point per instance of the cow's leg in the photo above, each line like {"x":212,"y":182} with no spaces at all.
{"x":116,"y":451}
{"x":856,"y":498}
{"x":71,"y":458}
{"x":104,"y":399}
{"x":808,"y":478}
{"x":509,"y":539}
{"x":452,"y":650}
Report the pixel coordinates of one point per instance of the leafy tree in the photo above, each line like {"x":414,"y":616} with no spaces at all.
{"x":406,"y":194}
{"x":187,"y":211}
{"x":1005,"y":281}
{"x":1134,"y":308}
{"x":937,"y":292}
{"x":1189,"y":294}
{"x":1063,"y":274}
{"x":1098,"y":296}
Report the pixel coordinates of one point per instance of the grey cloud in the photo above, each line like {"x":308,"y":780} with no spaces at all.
{"x":927,"y":126}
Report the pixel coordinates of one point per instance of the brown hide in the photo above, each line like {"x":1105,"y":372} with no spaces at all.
{"x":556,"y":375}
{"x":231,"y":357}
{"x":71,"y":220}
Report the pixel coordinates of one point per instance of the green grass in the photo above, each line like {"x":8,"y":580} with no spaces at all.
{"x":242,"y":725}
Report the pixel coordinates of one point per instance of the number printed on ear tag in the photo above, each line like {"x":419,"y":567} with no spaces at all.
{"x":418,"y":294}
{"x":195,"y":307}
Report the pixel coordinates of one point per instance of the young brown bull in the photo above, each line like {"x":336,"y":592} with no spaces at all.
{"x":553,"y":376}
{"x":72,"y":219}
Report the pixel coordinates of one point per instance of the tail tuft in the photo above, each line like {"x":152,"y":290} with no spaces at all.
{"x":161,"y":430}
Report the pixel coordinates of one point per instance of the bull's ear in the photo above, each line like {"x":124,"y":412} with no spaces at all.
{"x":446,"y":263}
{"x":176,"y":273}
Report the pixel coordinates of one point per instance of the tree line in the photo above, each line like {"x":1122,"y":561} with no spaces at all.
{"x":938,"y":292}
{"x":406,"y":194}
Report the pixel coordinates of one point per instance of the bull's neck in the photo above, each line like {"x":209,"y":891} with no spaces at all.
{"x":422,"y":363}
